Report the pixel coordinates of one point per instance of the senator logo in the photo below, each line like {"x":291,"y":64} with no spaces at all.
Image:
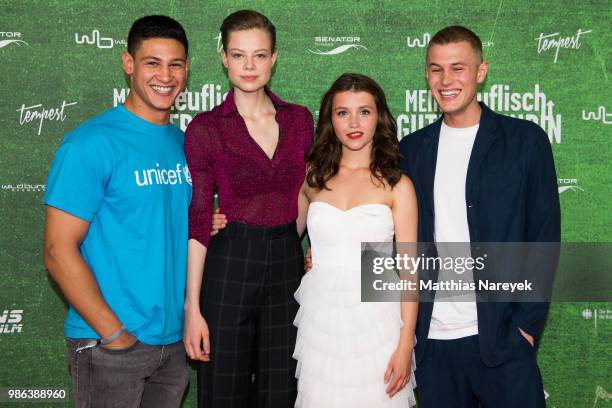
{"x":96,"y":39}
{"x":336,"y":45}
{"x":587,"y":314}
{"x":10,"y":321}
{"x":9,"y":37}
{"x":568,"y":184}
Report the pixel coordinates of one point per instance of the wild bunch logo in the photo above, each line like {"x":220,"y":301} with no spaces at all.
{"x":336,"y":45}
{"x":23,"y":187}
{"x":10,"y":321}
{"x":9,"y":37}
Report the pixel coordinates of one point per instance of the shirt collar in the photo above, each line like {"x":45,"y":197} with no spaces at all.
{"x":229,"y":105}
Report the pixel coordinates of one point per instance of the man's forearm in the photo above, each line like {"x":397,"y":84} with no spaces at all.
{"x":80,"y":288}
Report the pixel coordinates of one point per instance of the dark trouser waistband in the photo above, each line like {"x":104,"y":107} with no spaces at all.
{"x":247,"y":231}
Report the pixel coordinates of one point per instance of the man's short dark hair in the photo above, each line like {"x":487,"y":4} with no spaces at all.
{"x":155,"y":27}
{"x":455,"y":34}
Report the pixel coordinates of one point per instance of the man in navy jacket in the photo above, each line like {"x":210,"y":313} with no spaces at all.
{"x":479,"y":177}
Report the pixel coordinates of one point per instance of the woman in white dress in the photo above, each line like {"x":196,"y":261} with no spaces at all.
{"x":351,"y":353}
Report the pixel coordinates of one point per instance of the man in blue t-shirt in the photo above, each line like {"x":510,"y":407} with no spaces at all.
{"x":116,"y":232}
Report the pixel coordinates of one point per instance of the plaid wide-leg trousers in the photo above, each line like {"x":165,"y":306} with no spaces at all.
{"x":250,"y":276}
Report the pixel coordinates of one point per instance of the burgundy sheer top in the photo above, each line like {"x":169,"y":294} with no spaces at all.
{"x":224,"y":159}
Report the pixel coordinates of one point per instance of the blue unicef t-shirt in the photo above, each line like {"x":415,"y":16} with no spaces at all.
{"x":129,"y":179}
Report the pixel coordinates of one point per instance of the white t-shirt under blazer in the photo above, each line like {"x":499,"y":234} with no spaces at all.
{"x":453,"y":317}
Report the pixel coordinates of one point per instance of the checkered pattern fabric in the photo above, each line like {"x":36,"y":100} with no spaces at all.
{"x":250,"y":277}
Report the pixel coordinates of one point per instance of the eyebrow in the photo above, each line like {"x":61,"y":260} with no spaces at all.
{"x":452,"y":64}
{"x":150,"y":57}
{"x":241,"y":50}
{"x":361,"y":107}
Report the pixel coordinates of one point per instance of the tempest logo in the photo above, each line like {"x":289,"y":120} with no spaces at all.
{"x":555,"y":42}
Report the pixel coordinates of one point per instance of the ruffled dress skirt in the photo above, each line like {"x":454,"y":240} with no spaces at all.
{"x":343,"y":345}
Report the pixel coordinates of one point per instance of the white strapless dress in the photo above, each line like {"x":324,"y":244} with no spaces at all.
{"x":343,"y":345}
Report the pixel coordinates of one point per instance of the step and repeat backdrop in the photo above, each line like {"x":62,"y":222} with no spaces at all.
{"x":549,"y":63}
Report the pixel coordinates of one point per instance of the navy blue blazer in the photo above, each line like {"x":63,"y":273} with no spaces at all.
{"x":511,"y":196}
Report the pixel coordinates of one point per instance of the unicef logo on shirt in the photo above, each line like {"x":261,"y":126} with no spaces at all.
{"x":161,"y":176}
{"x":187,"y":174}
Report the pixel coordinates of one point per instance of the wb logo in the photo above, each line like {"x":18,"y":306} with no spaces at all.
{"x":10,"y":321}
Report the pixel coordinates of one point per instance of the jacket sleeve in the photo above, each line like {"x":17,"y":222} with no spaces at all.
{"x":543,"y":225}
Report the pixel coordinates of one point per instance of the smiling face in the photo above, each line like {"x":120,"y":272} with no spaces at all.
{"x":354,"y":118}
{"x":158,"y":72}
{"x":454,"y":71}
{"x":249,"y":59}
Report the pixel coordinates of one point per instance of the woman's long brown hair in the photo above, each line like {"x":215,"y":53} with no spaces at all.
{"x":326,"y":152}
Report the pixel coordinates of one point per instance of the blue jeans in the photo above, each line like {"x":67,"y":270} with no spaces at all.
{"x":138,"y":376}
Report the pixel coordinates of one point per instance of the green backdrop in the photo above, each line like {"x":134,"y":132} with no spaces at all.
{"x":549,"y":62}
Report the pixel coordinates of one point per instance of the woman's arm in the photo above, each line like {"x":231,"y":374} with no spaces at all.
{"x":405,"y":218}
{"x":303,"y":197}
{"x":199,"y":154}
{"x":303,"y":203}
{"x":195,"y":331}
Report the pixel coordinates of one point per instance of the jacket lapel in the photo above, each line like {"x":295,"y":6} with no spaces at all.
{"x":486,"y":135}
{"x":430,"y":156}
